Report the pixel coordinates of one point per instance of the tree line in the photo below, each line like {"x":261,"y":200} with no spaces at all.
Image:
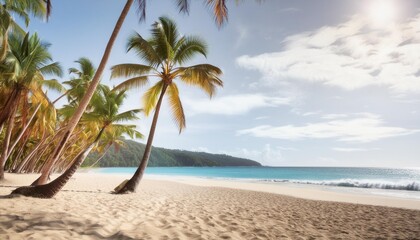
{"x":129,"y":153}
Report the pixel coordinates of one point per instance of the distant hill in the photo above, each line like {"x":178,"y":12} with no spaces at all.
{"x":130,"y":155}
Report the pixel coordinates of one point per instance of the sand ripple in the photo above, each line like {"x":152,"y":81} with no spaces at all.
{"x":168,"y":210}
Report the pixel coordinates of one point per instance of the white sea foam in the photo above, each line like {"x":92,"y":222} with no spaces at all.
{"x":408,"y":185}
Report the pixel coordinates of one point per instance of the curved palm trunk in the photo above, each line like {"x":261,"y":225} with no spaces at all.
{"x":131,"y":185}
{"x":51,"y":189}
{"x":103,"y":154}
{"x":85,"y":100}
{"x":23,"y":131}
{"x":60,"y":97}
{"x":6,"y":140}
{"x":8,"y":106}
{"x":23,"y":163}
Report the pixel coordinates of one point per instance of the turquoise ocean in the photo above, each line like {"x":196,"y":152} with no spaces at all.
{"x":370,"y":178}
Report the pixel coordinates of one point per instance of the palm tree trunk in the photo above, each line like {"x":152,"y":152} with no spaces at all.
{"x":23,"y":163}
{"x":8,"y":106}
{"x":15,"y":161}
{"x":31,"y":165}
{"x":103,"y":154}
{"x":60,"y":97}
{"x":6,"y":140}
{"x":131,"y":185}
{"x":23,"y":131}
{"x":51,"y":189}
{"x":86,"y":98}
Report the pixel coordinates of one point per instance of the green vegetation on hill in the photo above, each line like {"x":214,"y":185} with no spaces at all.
{"x":129,"y":156}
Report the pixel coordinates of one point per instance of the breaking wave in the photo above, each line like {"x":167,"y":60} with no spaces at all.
{"x":379,"y":184}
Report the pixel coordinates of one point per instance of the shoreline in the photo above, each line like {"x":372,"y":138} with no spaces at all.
{"x":304,"y":191}
{"x":194,"y":209}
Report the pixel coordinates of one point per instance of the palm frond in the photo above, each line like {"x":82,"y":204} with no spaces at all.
{"x":20,"y":11}
{"x":143,"y":49}
{"x":130,"y":130}
{"x":220,"y":11}
{"x":204,"y":76}
{"x":53,"y":84}
{"x":151,"y":97}
{"x":129,"y":70}
{"x":86,"y":68}
{"x":52,"y":69}
{"x":126,"y":116}
{"x":141,"y":9}
{"x":16,"y":28}
{"x":176,"y":107}
{"x":189,"y":47}
{"x":39,"y":8}
{"x":159,"y":40}
{"x":170,"y":31}
{"x":136,"y":82}
{"x":183,"y":6}
{"x":49,"y":7}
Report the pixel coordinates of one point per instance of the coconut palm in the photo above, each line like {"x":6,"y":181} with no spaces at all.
{"x":21,"y":8}
{"x":23,"y":71}
{"x":220,"y":13}
{"x":77,"y":88}
{"x":107,"y":119}
{"x":164,"y":54}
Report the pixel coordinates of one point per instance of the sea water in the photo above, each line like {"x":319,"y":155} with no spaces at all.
{"x":399,"y":182}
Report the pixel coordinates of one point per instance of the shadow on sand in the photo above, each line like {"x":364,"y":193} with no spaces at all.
{"x":61,"y":225}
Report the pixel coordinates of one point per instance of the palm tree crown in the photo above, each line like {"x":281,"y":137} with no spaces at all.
{"x":163,"y":54}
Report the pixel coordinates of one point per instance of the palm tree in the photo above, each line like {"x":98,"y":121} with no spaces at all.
{"x":220,"y":13}
{"x":21,"y":8}
{"x":77,"y":88}
{"x":164,"y":53}
{"x":107,"y":119}
{"x":23,"y":75}
{"x":78,"y":85}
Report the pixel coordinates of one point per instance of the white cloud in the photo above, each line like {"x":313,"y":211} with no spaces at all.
{"x":262,"y":117}
{"x":334,"y":116}
{"x":362,"y":128}
{"x":350,"y":55}
{"x":299,"y":112}
{"x":346,"y":149}
{"x":233,"y":104}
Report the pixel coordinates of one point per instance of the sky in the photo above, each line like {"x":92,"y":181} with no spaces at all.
{"x":306,"y":83}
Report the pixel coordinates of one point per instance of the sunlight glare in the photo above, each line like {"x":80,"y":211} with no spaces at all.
{"x":382,"y":12}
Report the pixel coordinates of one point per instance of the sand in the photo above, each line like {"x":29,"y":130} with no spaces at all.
{"x":204,"y":210}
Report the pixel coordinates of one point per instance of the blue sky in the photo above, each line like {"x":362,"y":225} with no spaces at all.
{"x":307,"y":83}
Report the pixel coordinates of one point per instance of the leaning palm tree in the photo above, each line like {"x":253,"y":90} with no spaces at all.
{"x":220,"y":13}
{"x":23,"y":74}
{"x":8,"y":26}
{"x":164,"y":53}
{"x":107,"y":118}
{"x":82,"y":77}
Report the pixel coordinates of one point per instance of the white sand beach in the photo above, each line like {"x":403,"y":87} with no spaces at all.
{"x":202,"y":209}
